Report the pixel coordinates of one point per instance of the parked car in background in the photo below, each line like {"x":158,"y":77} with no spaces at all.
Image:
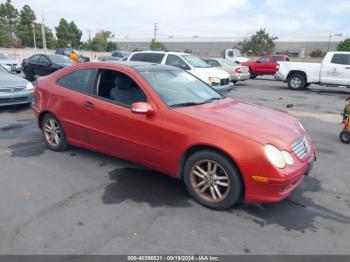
{"x":265,"y":65}
{"x":234,"y":55}
{"x":167,"y":119}
{"x":236,"y":71}
{"x":216,"y":78}
{"x":67,"y":51}
{"x":115,"y":56}
{"x":11,"y":65}
{"x":333,"y":71}
{"x":42,"y":65}
{"x":14,"y":90}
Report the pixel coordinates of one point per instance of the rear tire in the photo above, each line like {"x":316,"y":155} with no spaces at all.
{"x":297,"y":82}
{"x":345,"y":137}
{"x":253,"y":76}
{"x":53,"y":132}
{"x":212,"y":180}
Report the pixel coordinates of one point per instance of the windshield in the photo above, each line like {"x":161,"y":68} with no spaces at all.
{"x":3,"y":70}
{"x":195,"y":61}
{"x":178,"y":88}
{"x":2,"y":56}
{"x":60,"y":59}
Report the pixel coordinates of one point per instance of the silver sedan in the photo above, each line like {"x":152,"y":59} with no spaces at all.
{"x":236,"y":71}
{"x":14,"y":90}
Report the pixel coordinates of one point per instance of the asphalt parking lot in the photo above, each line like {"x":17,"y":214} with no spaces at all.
{"x":81,"y":202}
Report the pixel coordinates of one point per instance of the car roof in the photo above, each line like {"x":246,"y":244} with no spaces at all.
{"x":162,"y":52}
{"x":142,"y":66}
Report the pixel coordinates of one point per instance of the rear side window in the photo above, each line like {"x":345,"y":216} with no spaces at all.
{"x":212,"y":63}
{"x":82,"y":80}
{"x":341,"y":59}
{"x":276,"y":58}
{"x":148,"y":57}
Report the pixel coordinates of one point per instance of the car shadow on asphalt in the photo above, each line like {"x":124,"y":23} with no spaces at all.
{"x":296,"y":213}
{"x":14,"y":109}
{"x":145,"y":186}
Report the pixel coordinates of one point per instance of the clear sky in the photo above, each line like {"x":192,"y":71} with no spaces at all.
{"x":198,"y":17}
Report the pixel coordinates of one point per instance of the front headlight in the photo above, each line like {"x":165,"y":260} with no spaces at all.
{"x":214,"y":80}
{"x":277,"y":157}
{"x":29,"y":86}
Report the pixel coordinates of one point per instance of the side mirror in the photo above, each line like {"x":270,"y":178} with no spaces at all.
{"x":142,"y":108}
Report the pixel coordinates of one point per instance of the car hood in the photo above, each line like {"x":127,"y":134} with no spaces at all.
{"x":205,"y":73}
{"x":8,"y":61}
{"x":9,"y":80}
{"x":263,"y":125}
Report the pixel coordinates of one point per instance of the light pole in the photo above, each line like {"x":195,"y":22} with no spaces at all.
{"x":330,"y":39}
{"x":33,"y":26}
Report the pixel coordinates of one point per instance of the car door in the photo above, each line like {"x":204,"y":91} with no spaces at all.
{"x":261,"y":66}
{"x":75,"y":89}
{"x":33,"y":64}
{"x":44,"y":67}
{"x":334,"y":72}
{"x":346,"y":76}
{"x":112,"y":127}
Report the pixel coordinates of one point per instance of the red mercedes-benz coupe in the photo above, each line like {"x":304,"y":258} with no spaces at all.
{"x":224,"y":150}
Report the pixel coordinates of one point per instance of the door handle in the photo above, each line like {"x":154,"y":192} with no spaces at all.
{"x":89,"y":104}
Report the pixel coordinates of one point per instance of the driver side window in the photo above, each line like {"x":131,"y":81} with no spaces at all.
{"x":119,"y":88}
{"x":174,"y":60}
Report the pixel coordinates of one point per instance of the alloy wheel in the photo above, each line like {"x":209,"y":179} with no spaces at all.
{"x":295,"y":82}
{"x":52,"y":132}
{"x":210,"y":181}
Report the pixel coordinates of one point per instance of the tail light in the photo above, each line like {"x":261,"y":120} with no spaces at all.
{"x":238,"y":70}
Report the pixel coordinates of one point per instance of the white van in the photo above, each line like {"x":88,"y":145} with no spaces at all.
{"x":218,"y":79}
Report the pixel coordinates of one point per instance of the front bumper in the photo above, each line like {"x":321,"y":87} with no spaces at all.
{"x":13,"y":68}
{"x":277,"y":189}
{"x":240,"y":77}
{"x":222,"y":89}
{"x":16,"y":98}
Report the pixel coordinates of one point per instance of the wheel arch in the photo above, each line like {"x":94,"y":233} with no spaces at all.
{"x":41,"y":117}
{"x":195,"y":148}
{"x":297,"y":72}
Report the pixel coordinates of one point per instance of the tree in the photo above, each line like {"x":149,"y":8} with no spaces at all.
{"x":5,"y":39}
{"x":100,"y":42}
{"x":344,"y":45}
{"x":317,"y":53}
{"x":68,"y":34}
{"x":8,"y":20}
{"x":258,"y":44}
{"x":50,"y":40}
{"x":25,"y":26}
{"x":157,"y":46}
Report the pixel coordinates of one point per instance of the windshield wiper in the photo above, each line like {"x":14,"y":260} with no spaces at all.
{"x":186,"y":104}
{"x":212,"y":99}
{"x":196,"y":103}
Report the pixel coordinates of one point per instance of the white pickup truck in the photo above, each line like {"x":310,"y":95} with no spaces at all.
{"x":333,"y":71}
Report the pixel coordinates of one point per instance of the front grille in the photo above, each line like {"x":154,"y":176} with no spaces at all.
{"x":11,"y":89}
{"x":224,"y":81}
{"x":301,"y":147}
{"x":13,"y":100}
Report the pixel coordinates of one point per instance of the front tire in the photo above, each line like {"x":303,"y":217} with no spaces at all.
{"x":297,"y":82}
{"x":212,"y":180}
{"x":53,"y":132}
{"x":345,"y":137}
